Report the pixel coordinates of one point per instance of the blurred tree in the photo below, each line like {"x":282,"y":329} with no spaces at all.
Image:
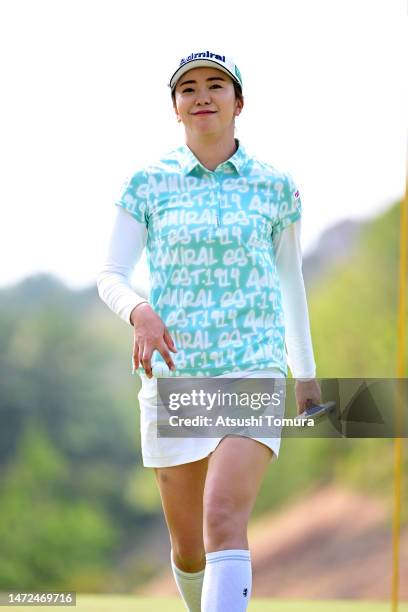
{"x":45,"y":534}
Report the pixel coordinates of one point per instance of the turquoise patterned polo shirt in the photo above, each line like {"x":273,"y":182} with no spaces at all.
{"x":211,"y":259}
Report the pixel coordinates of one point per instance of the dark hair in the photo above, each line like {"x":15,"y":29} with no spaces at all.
{"x":237,"y":90}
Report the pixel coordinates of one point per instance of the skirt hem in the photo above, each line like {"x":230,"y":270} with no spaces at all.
{"x":173,"y":460}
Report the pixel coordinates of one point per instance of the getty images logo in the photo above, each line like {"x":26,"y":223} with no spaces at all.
{"x":203,"y":55}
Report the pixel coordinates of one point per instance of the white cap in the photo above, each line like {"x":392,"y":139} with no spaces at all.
{"x":206,"y":59}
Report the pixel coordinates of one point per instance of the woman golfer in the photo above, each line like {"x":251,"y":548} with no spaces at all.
{"x":222,"y":235}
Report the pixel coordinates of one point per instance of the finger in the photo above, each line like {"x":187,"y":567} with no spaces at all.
{"x":169,"y":340}
{"x":135,"y":356}
{"x":167,"y":357}
{"x":299,"y":409}
{"x":303,"y":405}
{"x":146,"y":361}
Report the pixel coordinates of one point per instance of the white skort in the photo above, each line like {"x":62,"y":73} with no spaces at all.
{"x":166,"y":452}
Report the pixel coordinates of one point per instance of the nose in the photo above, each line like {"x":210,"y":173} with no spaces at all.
{"x":203,"y":96}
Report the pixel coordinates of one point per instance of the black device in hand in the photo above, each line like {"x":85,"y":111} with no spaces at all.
{"x":316,"y":412}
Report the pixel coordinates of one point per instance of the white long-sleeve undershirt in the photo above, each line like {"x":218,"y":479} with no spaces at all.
{"x":128,"y":239}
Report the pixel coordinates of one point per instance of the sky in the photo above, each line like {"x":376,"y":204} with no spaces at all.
{"x":85,"y":100}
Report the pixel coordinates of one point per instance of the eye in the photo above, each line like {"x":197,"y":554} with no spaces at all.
{"x":187,"y":90}
{"x":216,"y":85}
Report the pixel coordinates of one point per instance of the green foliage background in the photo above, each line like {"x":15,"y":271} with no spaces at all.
{"x":74,"y":497}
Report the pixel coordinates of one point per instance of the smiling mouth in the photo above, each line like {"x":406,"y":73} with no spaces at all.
{"x":204,"y":113}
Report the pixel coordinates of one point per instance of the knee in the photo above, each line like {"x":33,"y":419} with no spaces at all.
{"x":222,"y":522}
{"x":188,"y":555}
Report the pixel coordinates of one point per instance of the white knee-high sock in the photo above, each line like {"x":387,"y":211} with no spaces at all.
{"x":190,"y":585}
{"x":227,"y":581}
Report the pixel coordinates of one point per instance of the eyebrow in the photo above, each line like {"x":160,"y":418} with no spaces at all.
{"x":215,"y":78}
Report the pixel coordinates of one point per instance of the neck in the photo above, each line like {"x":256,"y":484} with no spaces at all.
{"x":212,"y":150}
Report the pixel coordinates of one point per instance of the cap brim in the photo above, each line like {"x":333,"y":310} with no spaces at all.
{"x":199,"y":63}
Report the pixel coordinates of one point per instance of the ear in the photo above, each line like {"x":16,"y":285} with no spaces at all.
{"x":239,"y":106}
{"x":177,"y":113}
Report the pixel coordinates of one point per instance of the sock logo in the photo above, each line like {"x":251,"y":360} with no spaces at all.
{"x":245,"y":592}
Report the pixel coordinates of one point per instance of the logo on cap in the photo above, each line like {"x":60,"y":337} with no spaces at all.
{"x":203,"y":54}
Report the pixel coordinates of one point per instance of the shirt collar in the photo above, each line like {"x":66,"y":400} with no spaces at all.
{"x":188,"y":160}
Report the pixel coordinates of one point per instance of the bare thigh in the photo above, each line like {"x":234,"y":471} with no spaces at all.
{"x":181,"y":490}
{"x":234,"y":475}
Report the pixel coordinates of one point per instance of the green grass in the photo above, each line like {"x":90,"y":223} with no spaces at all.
{"x":119,"y":603}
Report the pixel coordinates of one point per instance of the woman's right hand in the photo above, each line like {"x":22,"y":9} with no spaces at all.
{"x":150,"y":334}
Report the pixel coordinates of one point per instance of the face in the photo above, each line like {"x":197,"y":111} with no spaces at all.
{"x":205,"y":102}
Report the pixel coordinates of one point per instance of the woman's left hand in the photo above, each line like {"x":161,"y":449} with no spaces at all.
{"x":307,"y":393}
